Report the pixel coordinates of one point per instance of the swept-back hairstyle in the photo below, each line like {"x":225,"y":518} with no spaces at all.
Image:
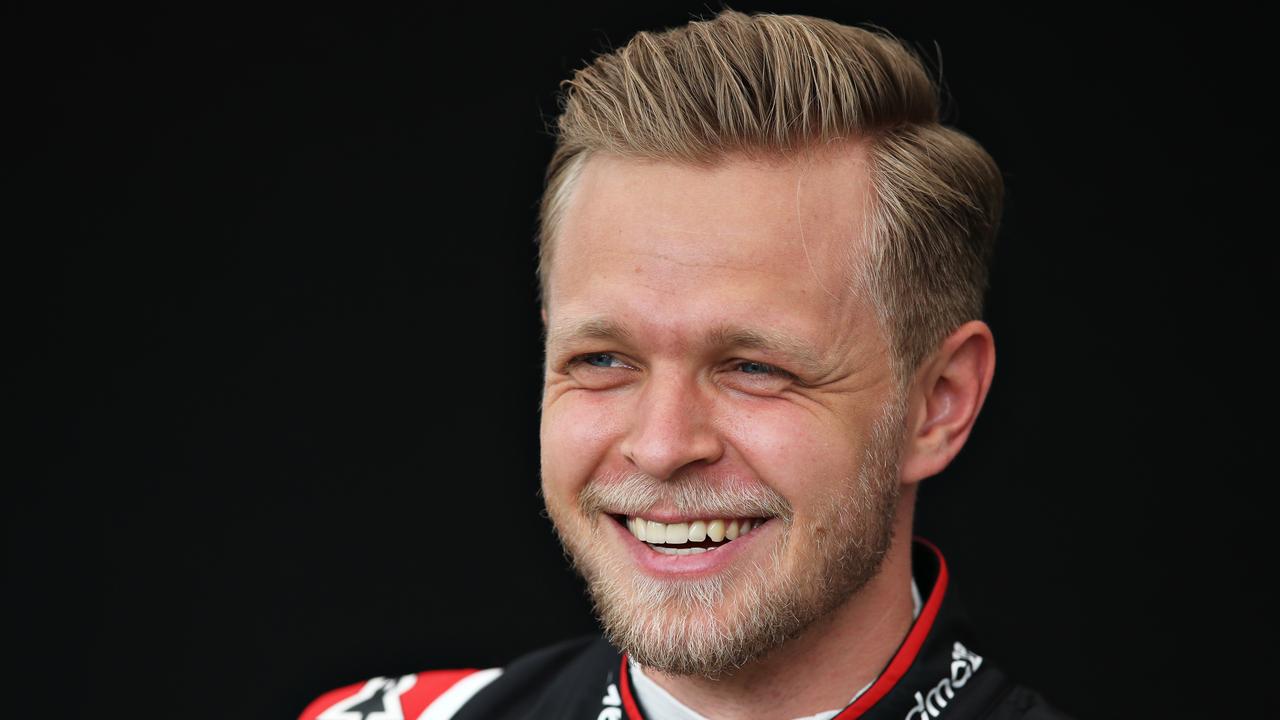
{"x":774,"y":86}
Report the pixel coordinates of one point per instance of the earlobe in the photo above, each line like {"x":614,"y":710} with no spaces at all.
{"x":949,"y":393}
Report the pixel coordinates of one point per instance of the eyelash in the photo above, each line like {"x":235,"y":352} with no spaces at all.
{"x":769,"y":370}
{"x":582,"y":360}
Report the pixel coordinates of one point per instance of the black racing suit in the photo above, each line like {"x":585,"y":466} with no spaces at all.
{"x":937,"y":672}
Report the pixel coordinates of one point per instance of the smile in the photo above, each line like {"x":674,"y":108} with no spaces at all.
{"x":689,"y":538}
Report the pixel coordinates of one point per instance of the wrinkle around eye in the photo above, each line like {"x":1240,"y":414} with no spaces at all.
{"x":586,"y":360}
{"x":592,"y":376}
{"x":771,"y":381}
{"x":766,"y":370}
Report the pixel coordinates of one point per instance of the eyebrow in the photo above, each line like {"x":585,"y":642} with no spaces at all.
{"x":795,"y":349}
{"x":588,"y":329}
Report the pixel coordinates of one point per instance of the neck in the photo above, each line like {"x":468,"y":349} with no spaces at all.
{"x":829,"y":662}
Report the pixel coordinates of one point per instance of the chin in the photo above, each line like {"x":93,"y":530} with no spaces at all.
{"x":710,"y":626}
{"x":707,"y":626}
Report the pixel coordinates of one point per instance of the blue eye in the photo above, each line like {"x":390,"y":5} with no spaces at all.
{"x":757,"y":368}
{"x":603,"y":360}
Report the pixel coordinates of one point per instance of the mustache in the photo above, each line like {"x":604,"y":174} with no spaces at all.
{"x":692,"y":494}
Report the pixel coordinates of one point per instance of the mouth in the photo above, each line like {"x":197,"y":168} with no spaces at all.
{"x":690,"y":537}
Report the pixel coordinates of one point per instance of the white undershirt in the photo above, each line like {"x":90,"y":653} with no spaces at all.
{"x":661,"y":705}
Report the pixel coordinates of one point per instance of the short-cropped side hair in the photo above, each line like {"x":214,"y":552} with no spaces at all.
{"x":777,"y":85}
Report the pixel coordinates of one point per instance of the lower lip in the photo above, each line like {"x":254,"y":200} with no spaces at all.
{"x":707,"y":563}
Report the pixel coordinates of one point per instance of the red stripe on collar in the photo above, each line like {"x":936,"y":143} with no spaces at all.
{"x":628,"y":700}
{"x":910,"y":646}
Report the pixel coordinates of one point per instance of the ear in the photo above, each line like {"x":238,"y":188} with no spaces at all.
{"x":945,"y":398}
{"x":544,"y":315}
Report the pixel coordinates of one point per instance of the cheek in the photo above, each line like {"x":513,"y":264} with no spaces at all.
{"x":577,"y":433}
{"x":792,"y":450}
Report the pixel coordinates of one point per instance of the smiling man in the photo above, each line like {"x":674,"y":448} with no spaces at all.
{"x":762,"y":262}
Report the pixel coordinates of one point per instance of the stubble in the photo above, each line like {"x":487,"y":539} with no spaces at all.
{"x":710,"y":627}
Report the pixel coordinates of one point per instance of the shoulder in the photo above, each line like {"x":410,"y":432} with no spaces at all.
{"x":425,"y":696}
{"x":441,"y":694}
{"x":1023,"y":703}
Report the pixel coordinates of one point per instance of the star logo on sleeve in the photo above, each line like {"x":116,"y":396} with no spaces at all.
{"x":379,"y":699}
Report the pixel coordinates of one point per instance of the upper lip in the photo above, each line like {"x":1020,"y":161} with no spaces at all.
{"x":668,"y":517}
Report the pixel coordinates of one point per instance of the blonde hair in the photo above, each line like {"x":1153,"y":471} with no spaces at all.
{"x":773,"y":86}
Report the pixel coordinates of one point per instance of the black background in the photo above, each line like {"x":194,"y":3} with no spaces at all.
{"x":269,"y":304}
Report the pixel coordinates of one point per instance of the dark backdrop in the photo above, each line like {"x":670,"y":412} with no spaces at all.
{"x":269,"y":305}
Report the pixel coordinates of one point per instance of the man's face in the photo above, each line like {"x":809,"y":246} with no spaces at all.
{"x":712,"y":365}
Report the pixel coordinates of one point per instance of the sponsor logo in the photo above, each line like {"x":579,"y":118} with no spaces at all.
{"x":612,"y":702}
{"x":379,"y":699}
{"x":963,"y":665}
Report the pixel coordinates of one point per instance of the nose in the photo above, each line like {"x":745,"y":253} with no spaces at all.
{"x":671,"y":428}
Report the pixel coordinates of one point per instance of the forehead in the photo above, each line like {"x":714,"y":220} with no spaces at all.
{"x":742,"y":238}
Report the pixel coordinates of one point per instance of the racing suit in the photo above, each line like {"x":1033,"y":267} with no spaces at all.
{"x":937,"y":672}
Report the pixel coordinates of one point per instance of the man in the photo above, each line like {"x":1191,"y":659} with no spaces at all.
{"x":762,"y":264}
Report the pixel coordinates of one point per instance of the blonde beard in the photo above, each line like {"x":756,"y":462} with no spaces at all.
{"x":712,"y":626}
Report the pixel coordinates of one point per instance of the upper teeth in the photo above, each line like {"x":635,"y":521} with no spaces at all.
{"x":656,"y":533}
